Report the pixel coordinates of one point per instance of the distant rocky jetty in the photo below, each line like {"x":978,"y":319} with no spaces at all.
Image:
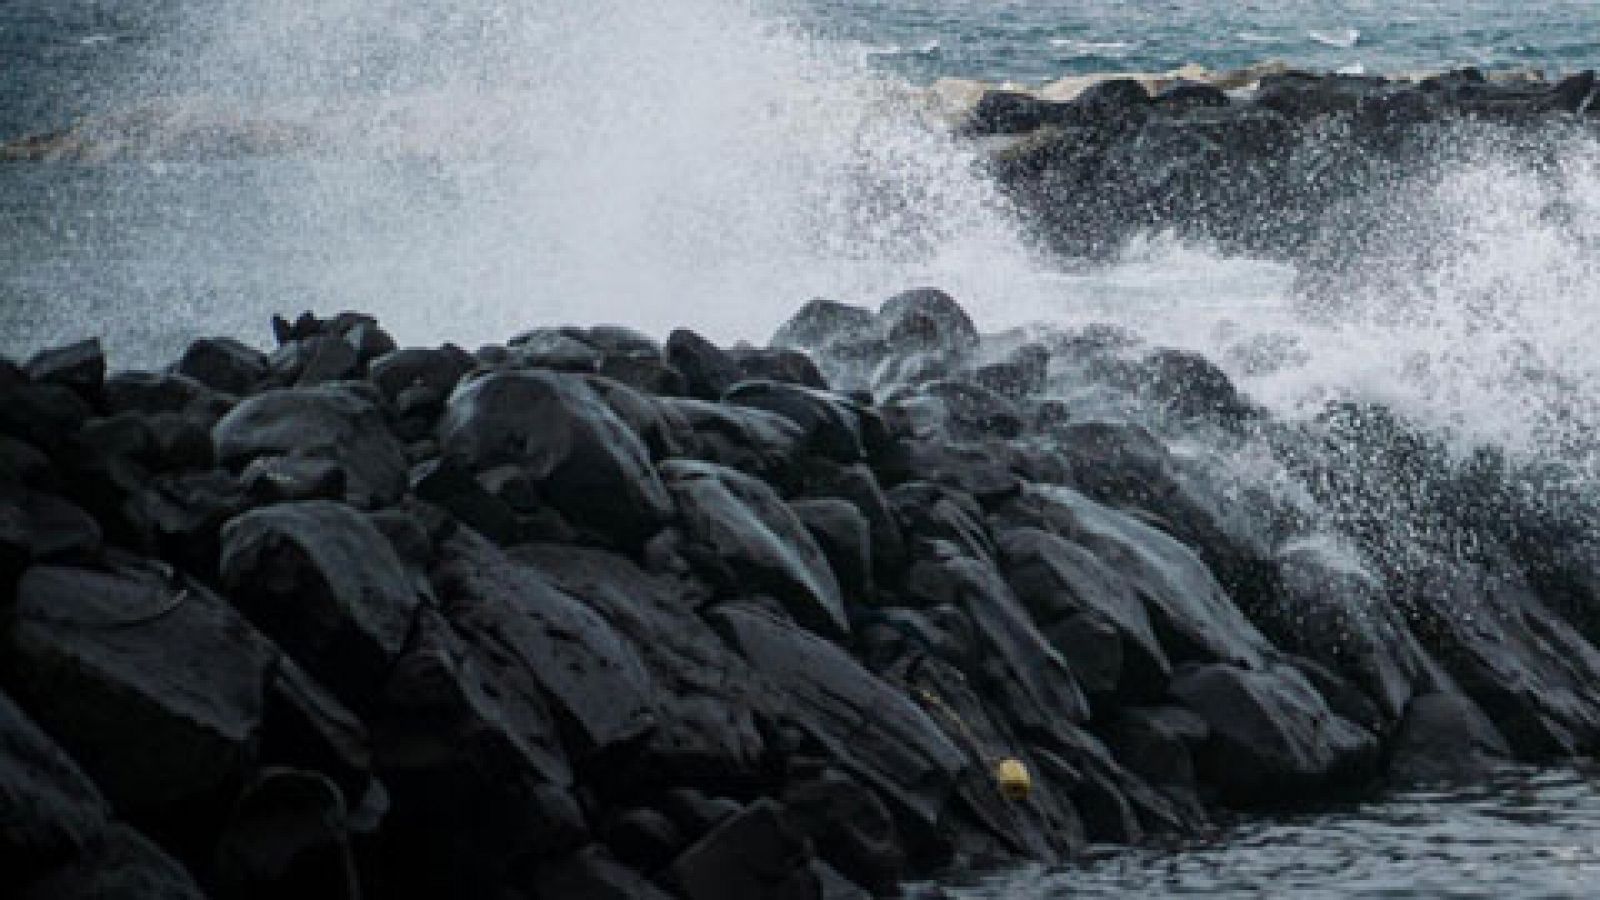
{"x":1266,"y":161}
{"x":586,"y":615}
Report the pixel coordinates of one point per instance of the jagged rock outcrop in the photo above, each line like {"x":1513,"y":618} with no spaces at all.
{"x":591,"y":615}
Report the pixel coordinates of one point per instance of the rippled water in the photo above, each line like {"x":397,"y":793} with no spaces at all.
{"x":1521,"y":835}
{"x":1036,"y":40}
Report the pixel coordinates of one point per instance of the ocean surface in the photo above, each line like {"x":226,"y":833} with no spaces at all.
{"x":480,"y":166}
{"x":1032,"y":41}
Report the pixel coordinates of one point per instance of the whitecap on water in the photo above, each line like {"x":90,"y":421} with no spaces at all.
{"x":1075,"y":47}
{"x":1341,"y":37}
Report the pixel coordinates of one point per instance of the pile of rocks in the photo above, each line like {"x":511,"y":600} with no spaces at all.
{"x":585,"y":615}
{"x":1269,"y":161}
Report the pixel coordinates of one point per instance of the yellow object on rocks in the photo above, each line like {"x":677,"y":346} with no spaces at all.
{"x":1013,"y":777}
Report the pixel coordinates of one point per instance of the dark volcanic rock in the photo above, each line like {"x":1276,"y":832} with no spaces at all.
{"x":1014,"y":664}
{"x":123,"y":863}
{"x":53,"y":812}
{"x":755,"y":541}
{"x":1522,"y":664}
{"x":589,"y":465}
{"x":321,"y":423}
{"x":287,"y":837}
{"x":870,"y":729}
{"x":927,"y":319}
{"x":468,"y":748}
{"x":1011,"y":112}
{"x":842,"y":533}
{"x":705,"y":699}
{"x":505,"y":610}
{"x":934,"y":512}
{"x":1332,"y":610}
{"x":152,"y":683}
{"x":821,"y":322}
{"x":1273,"y":737}
{"x":1194,"y":618}
{"x":786,"y":366}
{"x":831,"y":428}
{"x":756,"y":853}
{"x":1058,"y":579}
{"x":850,"y":828}
{"x":80,"y":367}
{"x":857,"y":485}
{"x":708,"y":372}
{"x":150,"y":392}
{"x":436,"y":370}
{"x":325,"y":583}
{"x":594,"y":874}
{"x":223,"y":364}
{"x":1444,"y":736}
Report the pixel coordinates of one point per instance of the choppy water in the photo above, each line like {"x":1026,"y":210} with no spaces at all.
{"x":1523,"y":835}
{"x":1035,"y":40}
{"x":486,"y":165}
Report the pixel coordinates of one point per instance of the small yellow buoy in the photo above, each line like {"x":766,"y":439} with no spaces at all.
{"x":1013,"y":778}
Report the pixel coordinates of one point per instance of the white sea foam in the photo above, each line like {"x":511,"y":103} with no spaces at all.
{"x":510,"y":164}
{"x":1343,"y":38}
{"x":1076,"y":47}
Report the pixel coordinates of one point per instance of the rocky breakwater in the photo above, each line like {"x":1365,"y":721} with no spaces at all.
{"x":1266,"y":161}
{"x":586,"y":615}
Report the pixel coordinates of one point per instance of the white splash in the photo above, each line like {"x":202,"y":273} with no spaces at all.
{"x":500,"y":164}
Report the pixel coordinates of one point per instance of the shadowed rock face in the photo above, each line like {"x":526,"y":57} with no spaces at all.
{"x":589,"y":615}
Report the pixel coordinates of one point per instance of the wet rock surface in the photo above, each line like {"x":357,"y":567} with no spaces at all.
{"x":1250,"y":168}
{"x":596,"y":615}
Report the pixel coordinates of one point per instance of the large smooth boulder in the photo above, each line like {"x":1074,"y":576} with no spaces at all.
{"x":1058,"y":580}
{"x":435,"y":370}
{"x":1193,"y":617}
{"x":470,"y":751}
{"x":154,"y":684}
{"x":1013,"y":663}
{"x":927,"y":319}
{"x":1334,"y":610}
{"x":871,"y":730}
{"x":587,"y":463}
{"x":594,"y":874}
{"x":123,"y":863}
{"x":79,"y":366}
{"x":754,"y":441}
{"x":705,"y":700}
{"x":589,"y":672}
{"x":323,"y":423}
{"x":1445,"y":737}
{"x":850,"y":828}
{"x":756,"y":853}
{"x":327,"y":586}
{"x":740,"y":525}
{"x":832,"y":428}
{"x":1522,"y":664}
{"x":858,"y":486}
{"x":223,"y":364}
{"x":845,"y":538}
{"x":288,"y":836}
{"x":49,"y":810}
{"x":1272,"y":736}
{"x":707,"y":370}
{"x":821,"y":322}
